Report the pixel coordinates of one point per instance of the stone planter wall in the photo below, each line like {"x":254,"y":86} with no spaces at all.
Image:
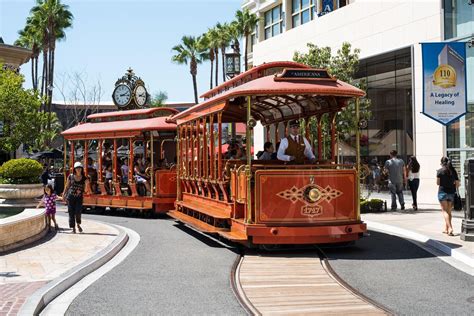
{"x":22,"y":229}
{"x":20,"y":191}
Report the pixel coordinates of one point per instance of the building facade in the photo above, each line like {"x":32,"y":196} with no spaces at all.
{"x":388,"y":34}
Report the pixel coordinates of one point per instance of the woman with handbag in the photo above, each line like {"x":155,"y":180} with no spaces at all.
{"x":76,"y":184}
{"x":448,"y":182}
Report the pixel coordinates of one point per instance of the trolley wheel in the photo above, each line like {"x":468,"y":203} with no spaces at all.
{"x":269,"y":248}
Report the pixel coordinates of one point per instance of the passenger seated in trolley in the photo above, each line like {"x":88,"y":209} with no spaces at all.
{"x":295,"y":147}
{"x":140,"y":176}
{"x":267,"y":152}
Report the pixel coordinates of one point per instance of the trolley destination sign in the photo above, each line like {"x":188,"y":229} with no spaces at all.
{"x":304,"y":74}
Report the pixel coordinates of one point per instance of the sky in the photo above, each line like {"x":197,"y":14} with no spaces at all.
{"x":109,"y":36}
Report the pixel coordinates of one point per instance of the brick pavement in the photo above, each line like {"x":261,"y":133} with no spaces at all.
{"x":24,"y":271}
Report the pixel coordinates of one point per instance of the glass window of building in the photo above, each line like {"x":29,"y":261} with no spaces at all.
{"x":458,"y":18}
{"x":302,"y":11}
{"x":273,"y":22}
{"x":389,"y":88}
{"x":460,"y":133}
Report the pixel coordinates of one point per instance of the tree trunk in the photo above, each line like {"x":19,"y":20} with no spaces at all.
{"x":246,"y":50}
{"x":50,"y":85}
{"x":211,"y":58}
{"x":33,"y":73}
{"x":223,"y":63}
{"x":35,"y":87}
{"x":217,"y":66}
{"x":193,"y":70}
{"x":44,"y":80}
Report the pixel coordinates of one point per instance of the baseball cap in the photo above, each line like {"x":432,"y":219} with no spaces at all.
{"x":78,"y":165}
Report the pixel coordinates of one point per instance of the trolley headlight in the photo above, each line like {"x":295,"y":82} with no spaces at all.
{"x":312,"y":194}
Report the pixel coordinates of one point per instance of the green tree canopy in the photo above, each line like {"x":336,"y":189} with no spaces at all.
{"x":343,"y":66}
{"x":158,"y":99}
{"x":19,"y":112}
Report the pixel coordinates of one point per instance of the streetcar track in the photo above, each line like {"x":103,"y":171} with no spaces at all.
{"x":237,"y":287}
{"x":327,"y":266}
{"x":251,"y":309}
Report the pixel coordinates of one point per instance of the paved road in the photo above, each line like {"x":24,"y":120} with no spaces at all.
{"x":173,"y":271}
{"x":404,"y":277}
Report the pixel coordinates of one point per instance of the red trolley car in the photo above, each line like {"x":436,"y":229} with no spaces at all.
{"x":257,"y":202}
{"x":114,"y":146}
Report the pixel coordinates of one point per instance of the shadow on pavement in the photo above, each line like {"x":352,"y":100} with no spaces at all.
{"x":378,"y":246}
{"x":208,"y":239}
{"x":50,"y":235}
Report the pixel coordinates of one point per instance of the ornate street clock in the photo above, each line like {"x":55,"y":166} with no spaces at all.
{"x":130,"y":92}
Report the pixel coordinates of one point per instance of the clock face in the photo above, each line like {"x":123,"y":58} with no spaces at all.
{"x":122,"y":95}
{"x":140,"y":95}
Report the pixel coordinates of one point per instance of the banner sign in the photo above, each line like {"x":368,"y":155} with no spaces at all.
{"x":444,"y":81}
{"x":326,"y":6}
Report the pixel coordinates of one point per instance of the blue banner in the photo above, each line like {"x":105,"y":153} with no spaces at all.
{"x":327,"y":6}
{"x":444,"y":81}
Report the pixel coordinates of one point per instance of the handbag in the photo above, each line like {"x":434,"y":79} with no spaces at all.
{"x":67,"y":192}
{"x":457,"y":204}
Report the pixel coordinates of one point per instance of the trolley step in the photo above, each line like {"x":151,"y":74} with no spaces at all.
{"x":233,"y":235}
{"x":195,"y":223}
{"x":210,"y":210}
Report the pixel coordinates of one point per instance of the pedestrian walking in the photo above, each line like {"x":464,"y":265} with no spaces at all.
{"x":394,"y":167}
{"x":77,"y":183}
{"x":45,"y":176}
{"x":448,"y":181}
{"x":49,"y":202}
{"x":413,"y":176}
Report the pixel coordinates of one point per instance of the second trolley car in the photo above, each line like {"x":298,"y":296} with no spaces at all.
{"x":262,"y":202}
{"x":129,"y":157}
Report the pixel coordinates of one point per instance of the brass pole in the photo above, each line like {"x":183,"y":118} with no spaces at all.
{"x":248,"y":168}
{"x":178,"y":164}
{"x":357,"y":158}
{"x":152,"y":154}
{"x":66,"y":166}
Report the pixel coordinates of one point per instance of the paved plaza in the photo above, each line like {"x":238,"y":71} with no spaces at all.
{"x":28,"y":270}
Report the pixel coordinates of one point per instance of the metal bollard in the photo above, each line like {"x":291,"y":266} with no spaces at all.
{"x":467,"y":227}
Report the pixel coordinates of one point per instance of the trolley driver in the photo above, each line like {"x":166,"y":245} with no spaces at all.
{"x":295,"y":147}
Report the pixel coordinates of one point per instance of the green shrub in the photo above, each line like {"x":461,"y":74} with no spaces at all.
{"x":21,"y":171}
{"x":372,"y":205}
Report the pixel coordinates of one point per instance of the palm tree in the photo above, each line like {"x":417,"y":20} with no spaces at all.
{"x":212,"y":45}
{"x":192,"y":51}
{"x":30,"y":38}
{"x":246,"y":22}
{"x":53,"y":18}
{"x":223,"y":41}
{"x":234,"y":35}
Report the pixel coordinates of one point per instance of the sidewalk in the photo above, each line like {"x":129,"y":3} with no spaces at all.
{"x":425,"y":226}
{"x":24,"y":271}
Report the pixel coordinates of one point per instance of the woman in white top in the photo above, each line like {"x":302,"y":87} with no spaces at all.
{"x":413,"y":176}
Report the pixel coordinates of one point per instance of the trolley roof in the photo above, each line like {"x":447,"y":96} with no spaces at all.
{"x":131,"y":114}
{"x":130,"y":123}
{"x":294,"y":93}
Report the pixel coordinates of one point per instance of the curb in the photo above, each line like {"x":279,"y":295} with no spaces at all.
{"x":42,"y":297}
{"x":424,"y":240}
